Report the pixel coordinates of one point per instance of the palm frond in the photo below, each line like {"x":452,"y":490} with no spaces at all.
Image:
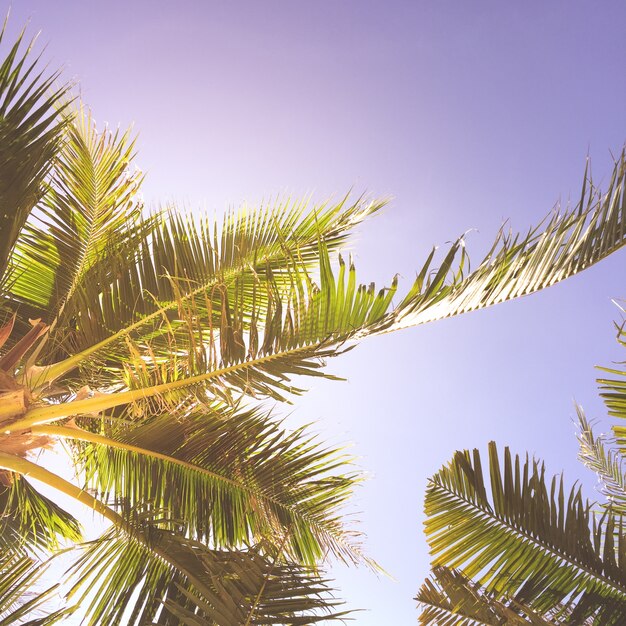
{"x":448,"y":598}
{"x":561,"y":246}
{"x":293,"y":313}
{"x":29,"y":521}
{"x":606,"y":462}
{"x":231,"y":477}
{"x":613,"y":392}
{"x":30,"y":134}
{"x":19,"y":576}
{"x":193,"y":585}
{"x":87,"y":220}
{"x":296,"y":335}
{"x":187,"y":262}
{"x":530,"y":541}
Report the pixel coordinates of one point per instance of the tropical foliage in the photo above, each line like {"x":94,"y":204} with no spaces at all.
{"x":151,"y":344}
{"x":511,"y":546}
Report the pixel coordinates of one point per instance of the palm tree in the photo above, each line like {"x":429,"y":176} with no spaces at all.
{"x":518,"y":549}
{"x":152,"y":343}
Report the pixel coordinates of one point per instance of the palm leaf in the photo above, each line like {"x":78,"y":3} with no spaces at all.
{"x":613,"y":392}
{"x":530,"y":541}
{"x":302,"y":323}
{"x":605,"y":461}
{"x":193,"y":585}
{"x":561,"y":246}
{"x":30,"y":134}
{"x":186,"y":263}
{"x":29,"y":521}
{"x":448,"y":598}
{"x":311,"y":325}
{"x":149,"y":554}
{"x":19,"y":575}
{"x":231,"y":477}
{"x":86,"y":221}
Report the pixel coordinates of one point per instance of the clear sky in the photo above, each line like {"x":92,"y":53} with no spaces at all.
{"x":467,"y":113}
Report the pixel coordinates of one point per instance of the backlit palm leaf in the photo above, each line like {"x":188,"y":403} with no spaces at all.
{"x":605,"y":461}
{"x":186,"y":263}
{"x":563,"y":245}
{"x":30,"y":135}
{"x":18,"y":600}
{"x":158,"y":576}
{"x":30,"y":521}
{"x":613,"y":392}
{"x":232,"y":477}
{"x":86,"y":221}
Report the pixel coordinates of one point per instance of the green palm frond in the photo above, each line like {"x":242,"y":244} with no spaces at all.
{"x":147,"y":552}
{"x":605,"y":461}
{"x":285,"y":339}
{"x":164,"y":578}
{"x":448,"y":598}
{"x":30,"y":135}
{"x":19,"y":575}
{"x":232,"y":477}
{"x":187,"y":262}
{"x":561,"y":246}
{"x":87,"y":220}
{"x":255,"y":345}
{"x":304,"y":322}
{"x":613,"y":392}
{"x":29,"y":521}
{"x":529,"y":541}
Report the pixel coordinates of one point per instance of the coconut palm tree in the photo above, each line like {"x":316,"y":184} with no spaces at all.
{"x":517,"y":548}
{"x":151,"y":344}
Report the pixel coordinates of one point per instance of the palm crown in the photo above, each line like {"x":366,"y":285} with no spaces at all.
{"x":151,"y":344}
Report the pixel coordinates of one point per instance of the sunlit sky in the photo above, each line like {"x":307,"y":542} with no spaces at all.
{"x":467,"y":114}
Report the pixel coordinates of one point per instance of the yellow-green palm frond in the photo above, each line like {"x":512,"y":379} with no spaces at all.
{"x":29,"y":521}
{"x":597,"y":453}
{"x":613,"y":392}
{"x":186,"y":264}
{"x":30,"y":134}
{"x":20,"y":603}
{"x":87,"y":220}
{"x":561,"y":246}
{"x":153,"y":574}
{"x":230,"y":477}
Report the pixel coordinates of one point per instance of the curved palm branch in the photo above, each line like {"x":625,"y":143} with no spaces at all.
{"x":231,"y":477}
{"x":184,"y":274}
{"x":184,"y":263}
{"x":613,"y":392}
{"x":160,"y":562}
{"x":563,"y":245}
{"x":305,"y":323}
{"x":30,"y":522}
{"x":86,"y":221}
{"x":529,"y":542}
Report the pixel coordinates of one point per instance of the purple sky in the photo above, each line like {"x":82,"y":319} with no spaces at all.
{"x":467,"y":113}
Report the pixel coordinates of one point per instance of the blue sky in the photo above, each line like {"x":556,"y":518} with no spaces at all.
{"x":468,"y":114}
